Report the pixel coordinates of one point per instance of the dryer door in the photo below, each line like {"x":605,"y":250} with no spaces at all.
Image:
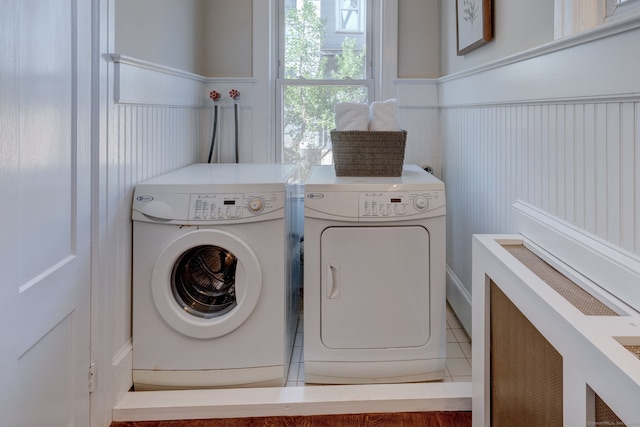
{"x":206,"y":283}
{"x":376,"y":290}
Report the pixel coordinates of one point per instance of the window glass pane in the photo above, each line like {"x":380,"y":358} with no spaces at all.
{"x":308,"y":118}
{"x":324,"y":39}
{"x":324,"y":62}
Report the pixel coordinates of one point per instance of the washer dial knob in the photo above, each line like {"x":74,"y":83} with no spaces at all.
{"x":255,"y":205}
{"x":421,"y":203}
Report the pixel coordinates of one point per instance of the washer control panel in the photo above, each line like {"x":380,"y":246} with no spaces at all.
{"x":228,"y":206}
{"x":398,"y":204}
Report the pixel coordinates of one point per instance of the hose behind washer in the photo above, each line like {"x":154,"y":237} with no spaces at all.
{"x":235,"y":111}
{"x":234,"y":94}
{"x":213,"y":136}
{"x":215,"y":96}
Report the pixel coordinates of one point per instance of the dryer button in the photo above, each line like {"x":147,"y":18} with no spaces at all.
{"x":421,"y":203}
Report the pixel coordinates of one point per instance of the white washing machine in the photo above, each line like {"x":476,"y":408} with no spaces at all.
{"x":374,"y":278}
{"x":216,"y":276}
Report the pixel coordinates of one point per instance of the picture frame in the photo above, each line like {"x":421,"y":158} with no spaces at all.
{"x":474,"y":26}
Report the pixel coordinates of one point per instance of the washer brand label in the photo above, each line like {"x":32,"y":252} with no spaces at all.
{"x":315,"y":196}
{"x":144,"y":198}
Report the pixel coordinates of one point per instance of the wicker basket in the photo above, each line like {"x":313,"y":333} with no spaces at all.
{"x":368,"y":153}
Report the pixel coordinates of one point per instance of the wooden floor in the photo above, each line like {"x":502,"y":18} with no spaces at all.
{"x":405,"y":419}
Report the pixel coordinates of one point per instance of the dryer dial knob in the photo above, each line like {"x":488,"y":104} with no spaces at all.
{"x":255,"y":205}
{"x":421,"y":203}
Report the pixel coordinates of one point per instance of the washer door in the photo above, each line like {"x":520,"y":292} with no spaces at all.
{"x":206,"y":283}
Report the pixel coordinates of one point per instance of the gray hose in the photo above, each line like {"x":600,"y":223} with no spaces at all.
{"x":213,"y":136}
{"x":235,"y":110}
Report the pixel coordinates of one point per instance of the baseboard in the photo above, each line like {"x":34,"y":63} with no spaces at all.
{"x":459,"y":299}
{"x":122,"y":368}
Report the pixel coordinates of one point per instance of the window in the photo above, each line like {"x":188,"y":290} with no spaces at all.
{"x":620,"y":8}
{"x":574,"y":16}
{"x":323,"y":60}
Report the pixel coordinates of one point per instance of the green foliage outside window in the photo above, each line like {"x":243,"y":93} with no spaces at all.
{"x":308,"y":113}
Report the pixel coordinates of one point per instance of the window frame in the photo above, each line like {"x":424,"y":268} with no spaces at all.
{"x":617,"y":9}
{"x":281,"y":83}
{"x":575,"y":16}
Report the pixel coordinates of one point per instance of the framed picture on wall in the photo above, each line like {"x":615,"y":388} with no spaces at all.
{"x":474,"y":26}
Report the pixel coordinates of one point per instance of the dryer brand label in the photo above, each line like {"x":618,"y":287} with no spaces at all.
{"x":144,"y":198}
{"x":315,"y":196}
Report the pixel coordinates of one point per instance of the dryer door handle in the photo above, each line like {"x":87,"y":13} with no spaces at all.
{"x":333,"y":281}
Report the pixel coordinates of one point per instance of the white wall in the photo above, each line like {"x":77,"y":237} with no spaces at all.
{"x":167,"y":32}
{"x":214,"y":38}
{"x":517,"y":25}
{"x":418,"y":39}
{"x":227,"y":36}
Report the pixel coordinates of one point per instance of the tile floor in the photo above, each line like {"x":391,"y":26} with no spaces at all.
{"x":458,"y":353}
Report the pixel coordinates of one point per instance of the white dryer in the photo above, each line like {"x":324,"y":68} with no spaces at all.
{"x":215,"y":276}
{"x":374,"y":278}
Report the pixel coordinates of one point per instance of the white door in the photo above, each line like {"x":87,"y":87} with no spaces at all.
{"x":45,"y":217}
{"x":376,"y":291}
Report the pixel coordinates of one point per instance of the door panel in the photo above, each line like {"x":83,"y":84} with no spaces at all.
{"x":375,"y":287}
{"x":45,"y":212}
{"x":40,"y":378}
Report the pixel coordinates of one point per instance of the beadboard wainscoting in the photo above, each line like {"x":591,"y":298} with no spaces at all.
{"x":147,"y":141}
{"x":146,"y":133}
{"x":535,"y":128}
{"x":419,"y":116}
{"x":143,"y":83}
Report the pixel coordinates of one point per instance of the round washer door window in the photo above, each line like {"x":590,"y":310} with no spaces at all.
{"x":203,"y":281}
{"x":206,"y":283}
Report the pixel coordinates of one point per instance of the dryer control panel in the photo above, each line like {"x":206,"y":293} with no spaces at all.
{"x":386,"y":204}
{"x":374,"y":206}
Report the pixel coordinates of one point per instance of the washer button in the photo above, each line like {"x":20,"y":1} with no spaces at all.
{"x":255,"y":205}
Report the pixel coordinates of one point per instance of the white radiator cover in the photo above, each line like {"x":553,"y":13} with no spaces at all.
{"x":593,"y":348}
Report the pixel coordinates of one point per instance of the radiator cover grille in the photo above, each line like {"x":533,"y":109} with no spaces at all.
{"x":573,"y":293}
{"x":604,"y":416}
{"x":526,"y":370}
{"x":633,"y":349}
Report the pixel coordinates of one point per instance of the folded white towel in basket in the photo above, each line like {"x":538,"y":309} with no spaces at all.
{"x":384,"y":115}
{"x":351,"y":116}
